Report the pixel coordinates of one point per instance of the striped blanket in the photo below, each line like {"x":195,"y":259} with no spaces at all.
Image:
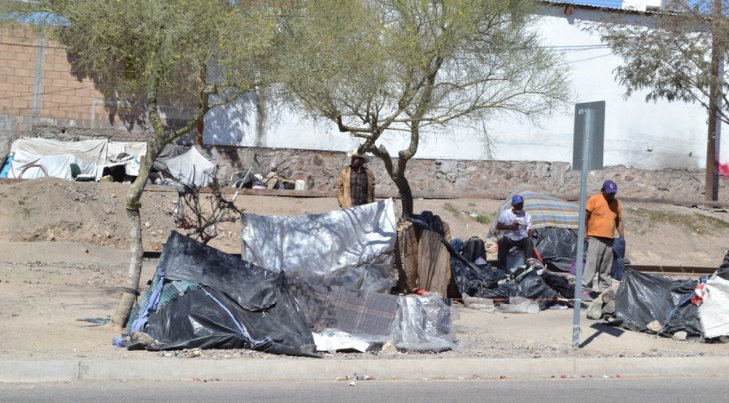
{"x":546,"y":211}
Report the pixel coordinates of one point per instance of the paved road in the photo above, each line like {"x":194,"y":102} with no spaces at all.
{"x":558,"y":390}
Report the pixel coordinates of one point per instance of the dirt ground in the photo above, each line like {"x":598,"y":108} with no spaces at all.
{"x":63,"y":256}
{"x":54,"y":210}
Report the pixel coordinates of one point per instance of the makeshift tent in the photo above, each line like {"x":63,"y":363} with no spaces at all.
{"x":185,"y":164}
{"x":644,"y":298}
{"x":556,"y":222}
{"x":340,"y":265}
{"x":32,"y":158}
{"x":352,"y":248}
{"x":203,"y":298}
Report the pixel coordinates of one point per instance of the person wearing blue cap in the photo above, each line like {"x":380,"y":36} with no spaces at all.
{"x":518,"y":231}
{"x":603,"y":215}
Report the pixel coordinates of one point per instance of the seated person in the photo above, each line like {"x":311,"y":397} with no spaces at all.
{"x":518,"y":231}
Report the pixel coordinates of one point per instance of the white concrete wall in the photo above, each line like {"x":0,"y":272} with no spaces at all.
{"x":637,"y":134}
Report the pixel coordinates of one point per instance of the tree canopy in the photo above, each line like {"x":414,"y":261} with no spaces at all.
{"x":669,"y":55}
{"x":153,"y":57}
{"x":677,"y":55}
{"x":413,"y":65}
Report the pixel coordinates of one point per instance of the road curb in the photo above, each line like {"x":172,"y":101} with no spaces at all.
{"x":381,"y":369}
{"x":39,"y":371}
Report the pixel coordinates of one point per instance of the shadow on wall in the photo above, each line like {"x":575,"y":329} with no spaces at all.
{"x":234,"y":124}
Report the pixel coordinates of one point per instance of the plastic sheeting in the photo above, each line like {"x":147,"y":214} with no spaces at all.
{"x":38,"y":157}
{"x":484,"y":282}
{"x":351,"y":248}
{"x":643,"y":298}
{"x":423,"y":324}
{"x":475,"y":280}
{"x":714,"y":310}
{"x":558,"y":247}
{"x":238,"y":304}
{"x":332,"y":340}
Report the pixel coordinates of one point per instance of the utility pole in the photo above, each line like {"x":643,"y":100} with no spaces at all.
{"x":711,"y":192}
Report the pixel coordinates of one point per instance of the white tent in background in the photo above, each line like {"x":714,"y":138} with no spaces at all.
{"x":185,"y":164}
{"x":32,"y":158}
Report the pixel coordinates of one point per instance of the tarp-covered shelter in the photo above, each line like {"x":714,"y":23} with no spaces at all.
{"x":351,"y":248}
{"x":185,"y":164}
{"x":201,"y":297}
{"x":646,"y":298}
{"x":556,"y":222}
{"x":31,"y":158}
{"x":341,"y":267}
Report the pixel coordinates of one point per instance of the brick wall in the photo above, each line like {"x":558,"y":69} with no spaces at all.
{"x":16,"y":73}
{"x":38,"y":92}
{"x":31,"y":64}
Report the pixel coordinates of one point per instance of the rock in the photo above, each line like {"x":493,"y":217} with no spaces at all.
{"x":655,"y":326}
{"x":594,"y":311}
{"x":609,"y":294}
{"x":141,"y":338}
{"x":389,"y":348}
{"x":147,"y":224}
{"x":680,"y":335}
{"x":609,"y":308}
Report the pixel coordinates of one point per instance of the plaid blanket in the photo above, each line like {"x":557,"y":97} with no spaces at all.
{"x":546,"y":211}
{"x":358,"y":312}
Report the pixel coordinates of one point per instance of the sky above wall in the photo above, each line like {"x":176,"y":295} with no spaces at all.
{"x":602,"y":3}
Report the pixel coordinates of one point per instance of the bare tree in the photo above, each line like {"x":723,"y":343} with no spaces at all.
{"x":199,"y":213}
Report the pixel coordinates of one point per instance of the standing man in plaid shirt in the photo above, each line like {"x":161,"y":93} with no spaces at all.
{"x":356,"y":183}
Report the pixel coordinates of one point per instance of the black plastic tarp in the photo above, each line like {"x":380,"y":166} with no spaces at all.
{"x":239,"y":305}
{"x":558,"y":247}
{"x":643,"y":298}
{"x":474,"y":280}
{"x":485,"y":282}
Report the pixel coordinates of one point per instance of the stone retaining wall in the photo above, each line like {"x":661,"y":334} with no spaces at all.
{"x":436,"y":178}
{"x":456,"y":178}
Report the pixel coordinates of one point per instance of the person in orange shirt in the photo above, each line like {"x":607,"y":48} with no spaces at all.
{"x":603,"y":216}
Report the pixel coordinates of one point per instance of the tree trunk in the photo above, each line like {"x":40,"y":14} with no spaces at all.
{"x":403,"y":186}
{"x":711,"y":185}
{"x":136,"y":247}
